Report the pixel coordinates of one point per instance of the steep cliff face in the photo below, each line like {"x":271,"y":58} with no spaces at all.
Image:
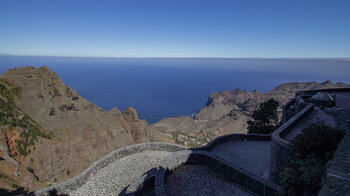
{"x":222,"y":103}
{"x":228,"y":111}
{"x":81,"y":131}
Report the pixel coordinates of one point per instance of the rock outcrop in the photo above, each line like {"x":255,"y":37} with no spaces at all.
{"x":54,"y":134}
{"x":222,"y":103}
{"x":81,"y":131}
{"x":228,"y":111}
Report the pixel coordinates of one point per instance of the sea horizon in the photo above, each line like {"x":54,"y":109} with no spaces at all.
{"x":162,"y":87}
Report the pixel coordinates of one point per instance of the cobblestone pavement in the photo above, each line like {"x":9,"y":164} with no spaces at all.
{"x":199,"y":180}
{"x":253,"y":156}
{"x":113,"y":178}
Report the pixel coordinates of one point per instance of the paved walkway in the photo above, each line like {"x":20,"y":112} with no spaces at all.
{"x":113,"y":178}
{"x":253,"y":156}
{"x":199,"y":180}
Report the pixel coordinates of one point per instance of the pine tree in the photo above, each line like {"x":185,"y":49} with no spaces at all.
{"x":265,"y":118}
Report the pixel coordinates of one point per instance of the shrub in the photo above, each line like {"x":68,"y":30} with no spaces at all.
{"x":312,"y":149}
{"x":10,"y":116}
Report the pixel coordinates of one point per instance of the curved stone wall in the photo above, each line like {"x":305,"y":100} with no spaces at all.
{"x":147,"y":182}
{"x":67,"y":186}
{"x":233,"y":137}
{"x":228,"y":170}
{"x":280,"y":148}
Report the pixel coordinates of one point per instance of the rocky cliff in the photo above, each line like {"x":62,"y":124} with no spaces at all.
{"x":48,"y":133}
{"x":228,"y":112}
{"x":80,"y":132}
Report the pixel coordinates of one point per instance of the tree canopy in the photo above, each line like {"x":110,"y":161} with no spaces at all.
{"x":265,"y":118}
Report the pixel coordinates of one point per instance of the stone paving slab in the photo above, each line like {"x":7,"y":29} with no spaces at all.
{"x":200,"y":180}
{"x":113,"y":178}
{"x":253,"y":156}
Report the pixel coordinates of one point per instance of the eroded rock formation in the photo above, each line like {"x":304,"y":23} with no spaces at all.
{"x":81,"y":131}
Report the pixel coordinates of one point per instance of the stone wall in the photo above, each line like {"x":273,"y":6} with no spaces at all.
{"x":229,"y":171}
{"x":233,"y":137}
{"x":146,"y":182}
{"x":67,"y":186}
{"x":328,"y":90}
{"x":285,"y":116}
{"x":280,"y":148}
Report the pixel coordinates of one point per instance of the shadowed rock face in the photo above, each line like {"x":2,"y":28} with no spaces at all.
{"x":82,"y":131}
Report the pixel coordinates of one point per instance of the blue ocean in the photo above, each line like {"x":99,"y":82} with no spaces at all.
{"x":170,"y":87}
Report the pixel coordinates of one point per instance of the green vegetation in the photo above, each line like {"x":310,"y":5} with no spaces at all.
{"x":192,"y":140}
{"x":265,"y":118}
{"x":312,"y":149}
{"x":12,"y":116}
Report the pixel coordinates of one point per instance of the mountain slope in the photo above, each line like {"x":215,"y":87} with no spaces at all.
{"x":80,"y":132}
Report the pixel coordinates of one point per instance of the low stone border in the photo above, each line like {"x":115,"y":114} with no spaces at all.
{"x":233,"y":137}
{"x":280,"y":148}
{"x":284,"y":129}
{"x":229,"y":170}
{"x":285,"y":107}
{"x":77,"y":181}
{"x":327,"y":90}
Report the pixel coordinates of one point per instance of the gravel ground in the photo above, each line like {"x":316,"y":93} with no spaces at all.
{"x":112,"y":179}
{"x":253,"y":156}
{"x":199,"y":180}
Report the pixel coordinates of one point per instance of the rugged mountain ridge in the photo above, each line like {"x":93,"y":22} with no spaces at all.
{"x":228,"y":112}
{"x":81,"y":131}
{"x":222,"y":103}
{"x":71,"y":133}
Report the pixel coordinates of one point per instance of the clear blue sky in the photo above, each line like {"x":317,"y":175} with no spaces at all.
{"x":177,"y":28}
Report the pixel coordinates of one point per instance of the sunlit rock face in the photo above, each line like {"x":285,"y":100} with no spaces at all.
{"x":82,"y":132}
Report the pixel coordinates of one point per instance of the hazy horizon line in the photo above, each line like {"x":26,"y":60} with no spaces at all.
{"x":170,"y":57}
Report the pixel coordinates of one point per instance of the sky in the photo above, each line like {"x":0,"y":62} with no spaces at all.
{"x":176,"y":28}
